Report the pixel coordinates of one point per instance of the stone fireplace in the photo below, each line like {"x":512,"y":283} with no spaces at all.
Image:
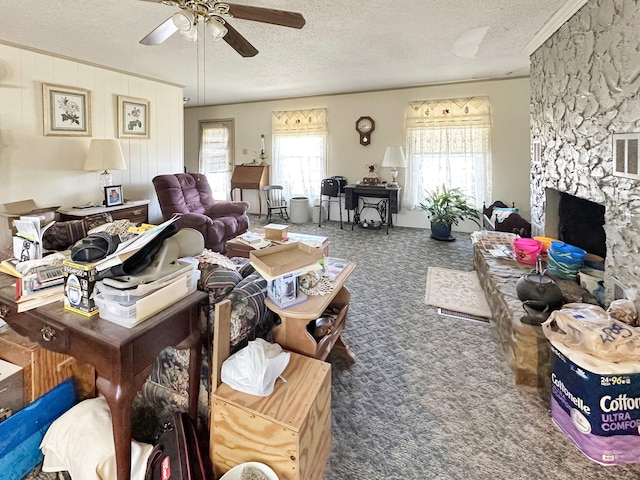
{"x":585,"y":89}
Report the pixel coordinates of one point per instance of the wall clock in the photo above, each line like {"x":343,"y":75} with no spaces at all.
{"x":364,"y":126}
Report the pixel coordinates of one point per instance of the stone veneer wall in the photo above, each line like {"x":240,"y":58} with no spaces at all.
{"x":585,"y":86}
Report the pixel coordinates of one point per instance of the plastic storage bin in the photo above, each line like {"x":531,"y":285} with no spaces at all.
{"x":130,"y":296}
{"x":130,"y":314}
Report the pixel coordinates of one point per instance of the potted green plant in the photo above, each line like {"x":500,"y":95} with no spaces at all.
{"x":446,"y":207}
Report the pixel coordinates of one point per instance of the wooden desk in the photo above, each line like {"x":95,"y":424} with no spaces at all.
{"x":292,"y":333}
{"x":390,"y":196}
{"x":122,"y":356}
{"x":250,"y":177}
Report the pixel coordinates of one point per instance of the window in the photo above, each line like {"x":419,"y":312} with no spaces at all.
{"x":216,"y":155}
{"x":300,"y":152}
{"x":448,"y":142}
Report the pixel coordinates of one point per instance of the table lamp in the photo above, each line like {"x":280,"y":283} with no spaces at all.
{"x":394,"y":158}
{"x":104,"y":155}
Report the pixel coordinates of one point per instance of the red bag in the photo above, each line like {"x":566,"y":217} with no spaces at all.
{"x":178,"y":456}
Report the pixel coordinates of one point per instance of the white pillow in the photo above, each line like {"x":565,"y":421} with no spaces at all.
{"x":81,"y":442}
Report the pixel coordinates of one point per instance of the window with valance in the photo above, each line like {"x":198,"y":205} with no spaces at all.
{"x":300,"y":151}
{"x":448,"y":142}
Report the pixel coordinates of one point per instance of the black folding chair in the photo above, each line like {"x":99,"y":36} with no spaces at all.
{"x":330,"y":193}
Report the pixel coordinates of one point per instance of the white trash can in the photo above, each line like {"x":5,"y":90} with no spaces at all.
{"x":299,"y":210}
{"x":316,"y":212}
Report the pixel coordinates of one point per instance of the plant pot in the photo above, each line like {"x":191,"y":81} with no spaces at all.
{"x":441,"y":231}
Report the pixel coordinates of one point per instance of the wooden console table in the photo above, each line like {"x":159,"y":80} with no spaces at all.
{"x":250,"y":177}
{"x":136,"y":211}
{"x":122,"y":356}
{"x":292,"y":333}
{"x":390,"y":201}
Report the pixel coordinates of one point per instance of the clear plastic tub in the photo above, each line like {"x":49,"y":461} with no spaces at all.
{"x":127,"y":314}
{"x":130,"y":296}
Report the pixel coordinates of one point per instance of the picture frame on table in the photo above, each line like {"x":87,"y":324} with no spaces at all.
{"x":133,"y":117}
{"x":113,"y":196}
{"x":66,"y":110}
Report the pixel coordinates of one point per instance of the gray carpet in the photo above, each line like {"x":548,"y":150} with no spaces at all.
{"x":431,"y":397}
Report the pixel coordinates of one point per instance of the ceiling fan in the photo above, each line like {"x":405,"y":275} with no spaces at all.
{"x":215,"y":15}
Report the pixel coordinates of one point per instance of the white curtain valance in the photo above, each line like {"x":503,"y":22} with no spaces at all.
{"x":448,"y":112}
{"x":300,"y":121}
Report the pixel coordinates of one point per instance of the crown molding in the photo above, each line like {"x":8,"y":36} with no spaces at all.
{"x":558,"y":19}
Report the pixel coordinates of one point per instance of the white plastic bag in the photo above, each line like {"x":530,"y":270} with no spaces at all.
{"x":588,"y":328}
{"x":255,"y":368}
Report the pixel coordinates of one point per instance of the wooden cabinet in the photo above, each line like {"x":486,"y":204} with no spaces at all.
{"x":136,"y":212}
{"x":44,"y":369}
{"x":250,"y":177}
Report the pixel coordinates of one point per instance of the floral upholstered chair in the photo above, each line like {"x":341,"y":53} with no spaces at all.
{"x":166,"y":389}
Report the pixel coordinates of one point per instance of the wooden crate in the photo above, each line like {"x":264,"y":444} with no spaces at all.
{"x":290,"y":430}
{"x":44,"y":369}
{"x":282,"y":259}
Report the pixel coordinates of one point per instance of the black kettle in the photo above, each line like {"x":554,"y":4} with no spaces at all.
{"x":538,"y":290}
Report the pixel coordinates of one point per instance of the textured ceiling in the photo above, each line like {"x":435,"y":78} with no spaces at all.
{"x":345,"y":46}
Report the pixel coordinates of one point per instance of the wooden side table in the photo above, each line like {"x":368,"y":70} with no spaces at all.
{"x":122,"y":357}
{"x":292,"y":333}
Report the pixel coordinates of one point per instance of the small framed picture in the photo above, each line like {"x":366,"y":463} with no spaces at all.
{"x":133,"y":117}
{"x":113,"y":195}
{"x":66,"y":110}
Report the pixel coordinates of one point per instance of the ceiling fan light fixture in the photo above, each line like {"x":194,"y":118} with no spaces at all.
{"x":190,"y":35}
{"x":216,"y":29}
{"x":184,"y":20}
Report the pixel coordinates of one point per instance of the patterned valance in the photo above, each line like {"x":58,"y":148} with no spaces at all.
{"x":449,"y":112}
{"x":300,"y":121}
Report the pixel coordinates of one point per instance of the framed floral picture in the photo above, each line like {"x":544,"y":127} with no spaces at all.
{"x":113,"y":195}
{"x":66,"y":110}
{"x":133,"y":117}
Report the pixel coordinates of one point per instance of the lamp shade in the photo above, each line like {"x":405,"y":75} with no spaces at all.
{"x":216,"y":29}
{"x":184,"y":20}
{"x":105,"y":154}
{"x":394,"y":157}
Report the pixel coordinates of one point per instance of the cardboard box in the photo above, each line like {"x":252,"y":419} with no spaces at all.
{"x":11,"y":389}
{"x":596,"y":407}
{"x":21,"y":434}
{"x":14,"y":210}
{"x":79,"y":283}
{"x":284,"y":292}
{"x":276,"y":232}
{"x":283,"y":259}
{"x":290,"y":430}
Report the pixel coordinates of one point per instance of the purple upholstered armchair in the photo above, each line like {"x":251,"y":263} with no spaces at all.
{"x":189,"y":196}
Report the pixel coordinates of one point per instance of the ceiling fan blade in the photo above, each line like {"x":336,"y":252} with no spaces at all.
{"x":267,"y":15}
{"x":161,"y":33}
{"x":238,"y":42}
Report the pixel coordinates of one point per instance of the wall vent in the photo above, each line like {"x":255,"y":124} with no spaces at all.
{"x":626,"y":152}
{"x":619,"y":289}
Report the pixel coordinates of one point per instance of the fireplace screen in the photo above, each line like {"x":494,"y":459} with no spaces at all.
{"x":581,"y":224}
